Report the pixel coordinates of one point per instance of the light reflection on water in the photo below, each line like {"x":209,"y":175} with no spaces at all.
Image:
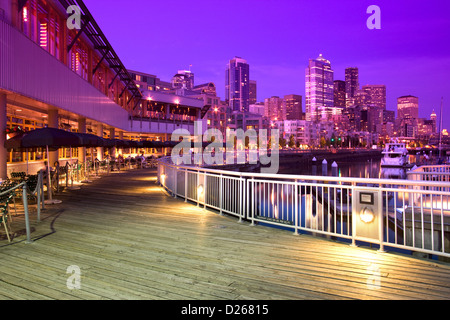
{"x":354,"y":169}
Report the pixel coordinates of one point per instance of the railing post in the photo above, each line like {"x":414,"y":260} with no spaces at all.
{"x":158,"y":173}
{"x":353,"y":216}
{"x":253,"y":202}
{"x":38,"y":196}
{"x":241,"y":198}
{"x":381,"y":219}
{"x":196,"y":188}
{"x":42,"y":191}
{"x":220,"y":194}
{"x":176,"y":182}
{"x":204,"y":190}
{"x":296,"y":207}
{"x":185,"y":185}
{"x":25,"y":208}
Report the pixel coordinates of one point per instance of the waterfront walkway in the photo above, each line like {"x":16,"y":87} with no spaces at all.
{"x":133,"y":241}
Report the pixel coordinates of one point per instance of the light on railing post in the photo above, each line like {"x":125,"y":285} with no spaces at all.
{"x":200,"y":190}
{"x":163,"y":180}
{"x":199,"y":193}
{"x":366,"y":215}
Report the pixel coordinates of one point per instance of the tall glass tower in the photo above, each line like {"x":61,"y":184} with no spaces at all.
{"x":319,"y":87}
{"x":351,"y":81}
{"x":237,"y":85}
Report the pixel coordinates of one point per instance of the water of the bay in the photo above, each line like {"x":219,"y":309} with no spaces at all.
{"x":355,"y":169}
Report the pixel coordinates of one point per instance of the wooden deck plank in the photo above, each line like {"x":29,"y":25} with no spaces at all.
{"x":133,"y":241}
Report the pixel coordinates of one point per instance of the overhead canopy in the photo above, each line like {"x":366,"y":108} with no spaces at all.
{"x":45,"y":137}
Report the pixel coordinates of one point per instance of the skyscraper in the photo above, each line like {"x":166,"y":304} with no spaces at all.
{"x":237,"y":85}
{"x":376,"y":95}
{"x":339,"y":93}
{"x":274,"y":108}
{"x":408,"y":107}
{"x":252,"y":92}
{"x":407,"y":115}
{"x":293,"y":107}
{"x":183,"y":79}
{"x":319,"y":87}
{"x":351,"y":82}
{"x":433,"y":118}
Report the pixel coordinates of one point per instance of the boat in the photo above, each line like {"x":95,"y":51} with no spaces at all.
{"x":395,"y":155}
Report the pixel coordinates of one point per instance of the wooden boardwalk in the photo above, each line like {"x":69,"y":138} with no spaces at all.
{"x":133,"y":241}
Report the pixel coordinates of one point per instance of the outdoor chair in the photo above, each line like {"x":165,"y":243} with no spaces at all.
{"x":18,"y":176}
{"x":113,"y":165}
{"x":153,"y":163}
{"x":5,"y":199}
{"x":32,"y":181}
{"x":9,"y":184}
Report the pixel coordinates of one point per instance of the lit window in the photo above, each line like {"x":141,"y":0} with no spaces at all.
{"x":25,"y":14}
{"x":43,"y":35}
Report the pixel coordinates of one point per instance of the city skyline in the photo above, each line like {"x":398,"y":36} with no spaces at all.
{"x":403,"y":54}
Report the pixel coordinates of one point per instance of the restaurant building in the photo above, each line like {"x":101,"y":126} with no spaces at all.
{"x":57,"y":69}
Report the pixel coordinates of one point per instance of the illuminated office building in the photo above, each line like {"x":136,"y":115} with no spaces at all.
{"x":274,"y":108}
{"x":339,"y":93}
{"x":319,"y":87}
{"x":351,"y":81}
{"x":183,"y":79}
{"x":293,"y":107}
{"x":407,"y":115}
{"x":237,"y":85}
{"x":252,"y":92}
{"x":376,"y":95}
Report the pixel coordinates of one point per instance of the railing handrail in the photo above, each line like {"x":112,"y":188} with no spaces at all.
{"x":13,"y":188}
{"x":308,"y":177}
{"x":422,"y":169}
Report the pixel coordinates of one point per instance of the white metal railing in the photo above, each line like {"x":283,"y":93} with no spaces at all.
{"x":436,"y":173}
{"x":404,"y":214}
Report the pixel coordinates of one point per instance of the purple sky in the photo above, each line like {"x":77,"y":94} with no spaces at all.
{"x":410,"y":54}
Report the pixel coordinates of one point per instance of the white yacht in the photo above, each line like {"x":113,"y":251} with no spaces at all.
{"x":395,"y":155}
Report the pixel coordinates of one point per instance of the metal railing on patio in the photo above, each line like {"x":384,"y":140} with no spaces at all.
{"x":403,"y":214}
